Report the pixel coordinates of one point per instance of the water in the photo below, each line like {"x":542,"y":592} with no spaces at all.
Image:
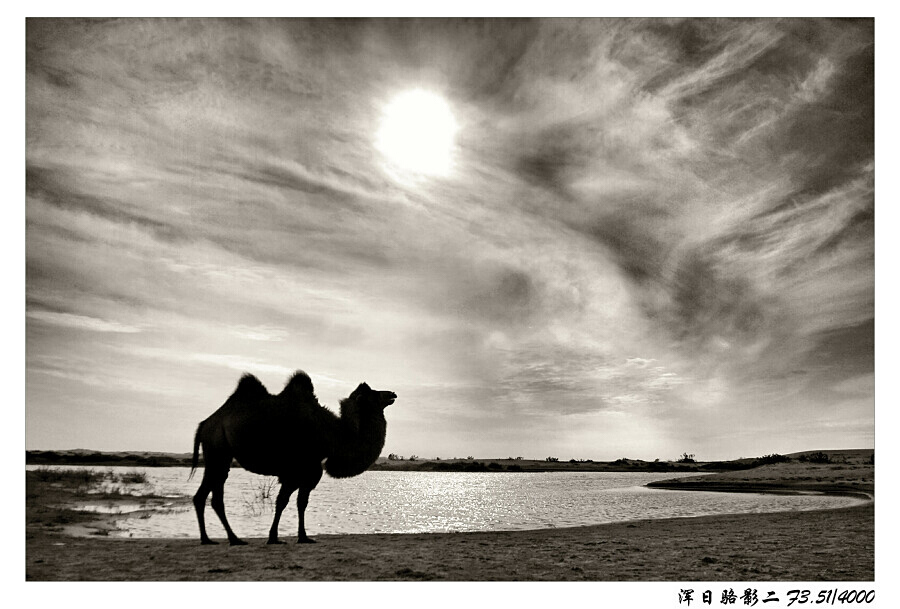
{"x":417,"y":502}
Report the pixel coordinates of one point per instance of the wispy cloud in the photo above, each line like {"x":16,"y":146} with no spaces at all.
{"x":80,"y":322}
{"x":262,"y":333}
{"x":660,"y":220}
{"x":238,"y":363}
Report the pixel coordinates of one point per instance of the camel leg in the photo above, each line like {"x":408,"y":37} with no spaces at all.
{"x":200,"y":507}
{"x":284,"y":495}
{"x":218,"y":505}
{"x":302,"y":502}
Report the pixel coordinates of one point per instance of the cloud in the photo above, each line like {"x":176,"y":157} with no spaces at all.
{"x":81,"y":322}
{"x":239,"y":363}
{"x":638,"y":361}
{"x":664,"y":218}
{"x":725,"y":253}
{"x":261,"y":333}
{"x":863,"y":385}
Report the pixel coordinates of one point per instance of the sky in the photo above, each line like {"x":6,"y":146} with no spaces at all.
{"x":647,"y":237}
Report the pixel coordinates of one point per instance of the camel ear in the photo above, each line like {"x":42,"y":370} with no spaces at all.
{"x":361,"y":389}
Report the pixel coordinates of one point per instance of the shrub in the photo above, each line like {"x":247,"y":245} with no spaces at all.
{"x":687,"y":458}
{"x":769,"y":459}
{"x":494,"y":465}
{"x":816,"y":457}
{"x":514,"y":468}
{"x":73,"y":476}
{"x":134,"y":477}
{"x":262,"y":499}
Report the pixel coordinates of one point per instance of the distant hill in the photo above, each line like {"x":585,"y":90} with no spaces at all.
{"x":849,"y":453}
{"x":80,"y":456}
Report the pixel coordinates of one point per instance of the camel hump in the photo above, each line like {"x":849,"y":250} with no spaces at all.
{"x":300,"y":383}
{"x":250,"y":387}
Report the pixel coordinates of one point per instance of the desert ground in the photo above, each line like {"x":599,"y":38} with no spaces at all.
{"x":825,"y":545}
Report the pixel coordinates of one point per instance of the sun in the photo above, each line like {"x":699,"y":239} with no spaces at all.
{"x":417,"y":133}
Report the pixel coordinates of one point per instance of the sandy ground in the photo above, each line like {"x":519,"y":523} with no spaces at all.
{"x":830,"y":545}
{"x":854,"y":477}
{"x":827,"y":545}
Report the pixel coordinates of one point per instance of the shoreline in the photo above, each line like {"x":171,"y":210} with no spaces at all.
{"x":784,"y":478}
{"x":714,"y":486}
{"x":818,"y":545}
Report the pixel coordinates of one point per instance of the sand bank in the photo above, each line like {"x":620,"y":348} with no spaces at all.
{"x":830,"y":545}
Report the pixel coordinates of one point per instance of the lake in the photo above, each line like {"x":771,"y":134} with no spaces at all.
{"x":418,"y":502}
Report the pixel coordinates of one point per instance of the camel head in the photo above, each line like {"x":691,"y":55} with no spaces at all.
{"x":365,"y":396}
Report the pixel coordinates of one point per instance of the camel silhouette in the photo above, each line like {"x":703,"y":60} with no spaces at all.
{"x":288,"y":435}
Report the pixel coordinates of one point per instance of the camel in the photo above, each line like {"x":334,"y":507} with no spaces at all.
{"x":288,"y":435}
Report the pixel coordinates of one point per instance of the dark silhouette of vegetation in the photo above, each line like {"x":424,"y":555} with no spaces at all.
{"x":687,"y":458}
{"x":464,"y":466}
{"x":133,"y":477}
{"x":443,"y":466}
{"x":514,"y":468}
{"x":101,"y":484}
{"x":75,"y":476}
{"x":263,"y":499}
{"x":88,"y":476}
{"x":816,"y":457}
{"x":552,"y":459}
{"x":49,"y":457}
{"x":770,"y":459}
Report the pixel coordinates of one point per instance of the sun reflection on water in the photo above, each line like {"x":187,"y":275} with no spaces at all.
{"x":431,"y":502}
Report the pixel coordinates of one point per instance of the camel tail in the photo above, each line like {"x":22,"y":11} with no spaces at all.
{"x":196,"y":458}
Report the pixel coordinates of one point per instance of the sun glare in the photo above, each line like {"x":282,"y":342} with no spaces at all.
{"x":417,"y":133}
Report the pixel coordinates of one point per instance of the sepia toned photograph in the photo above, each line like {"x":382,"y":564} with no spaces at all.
{"x":452,"y":299}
